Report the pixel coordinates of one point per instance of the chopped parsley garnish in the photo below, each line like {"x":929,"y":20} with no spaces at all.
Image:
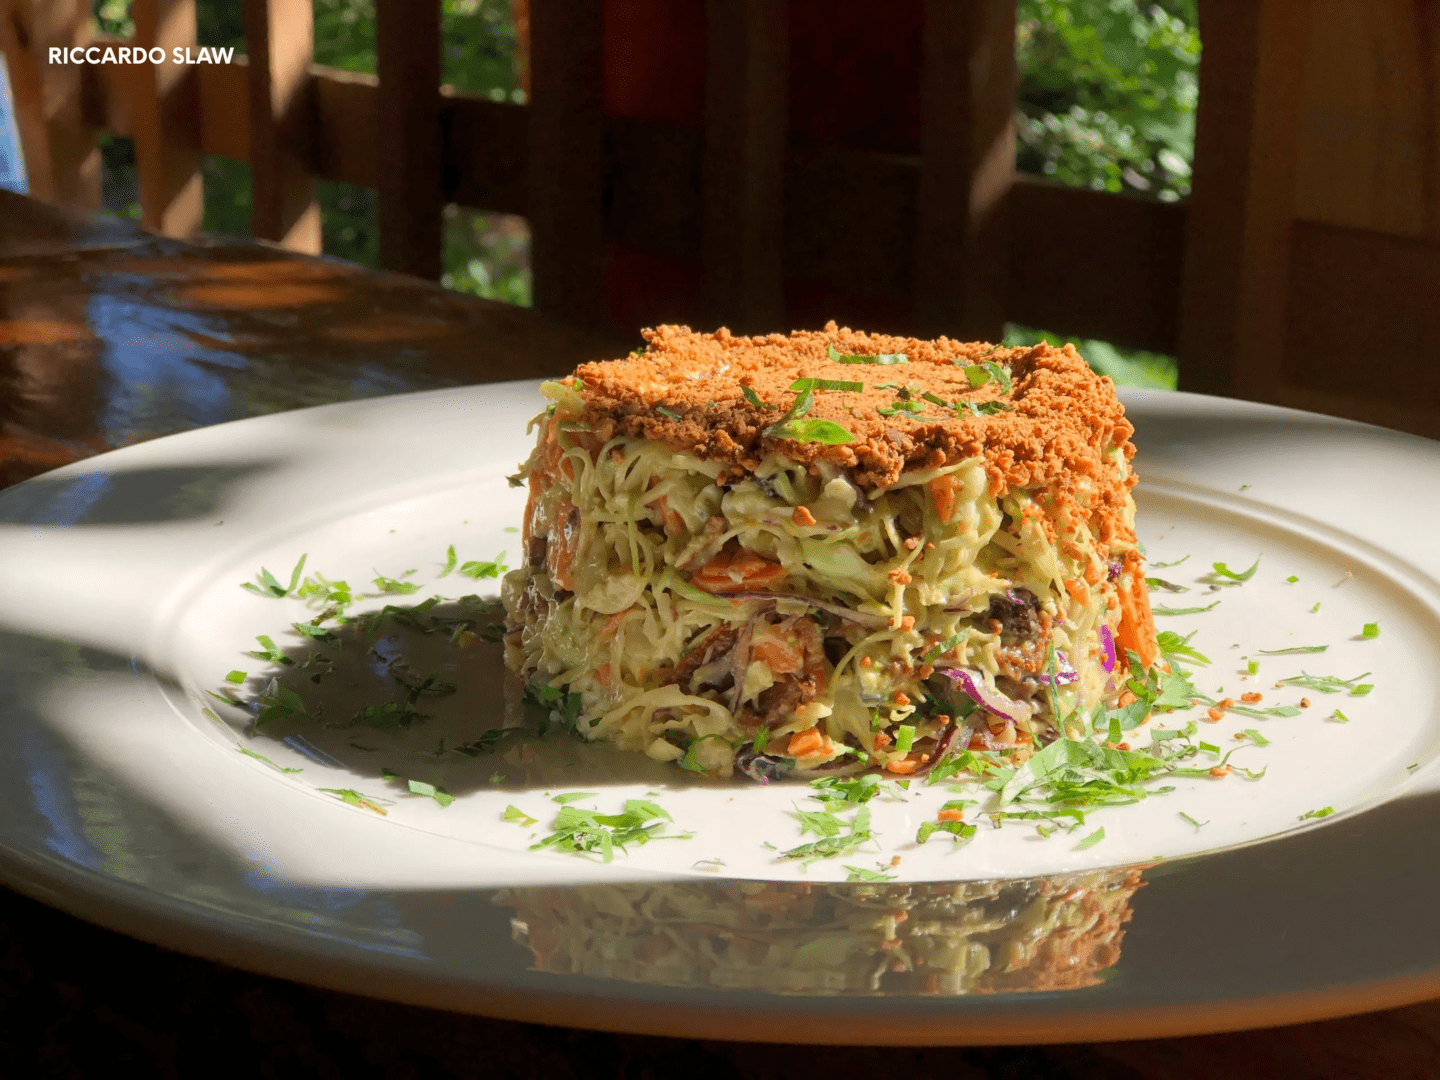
{"x":836,"y":792}
{"x":979,"y":374}
{"x":1091,"y":840}
{"x":1165,"y":586}
{"x":1192,"y":821}
{"x":315,"y":633}
{"x":754,"y":398}
{"x":904,"y":738}
{"x":915,"y":408}
{"x":690,"y":760}
{"x":936,"y":651}
{"x":1371,"y":630}
{"x":1223,"y":571}
{"x":562,"y":704}
{"x":1175,"y":562}
{"x":514,"y":813}
{"x":270,"y":587}
{"x":261,"y":757}
{"x":961,"y":830}
{"x":859,"y":873}
{"x":391,"y":716}
{"x":1339,"y":717}
{"x":477,"y":569}
{"x":333,"y":594}
{"x":583,"y":831}
{"x":792,"y":426}
{"x":1295,"y":651}
{"x":574,"y":796}
{"x":1250,"y":710}
{"x":268,"y":651}
{"x":1324,"y":811}
{"x":1291,"y":579}
{"x":761,"y":740}
{"x":1172,"y":645}
{"x":389,"y":585}
{"x":1316,"y":608}
{"x":669,"y":414}
{"x":984,"y":408}
{"x":278,"y":701}
{"x":1330,"y":684}
{"x":827,"y":384}
{"x":1183,"y":610}
{"x":1253,"y":667}
{"x":1256,"y":737}
{"x":236,"y":677}
{"x":351,"y":797}
{"x":857,"y":358}
{"x":834,"y":846}
{"x":430,"y":791}
{"x":449,"y":561}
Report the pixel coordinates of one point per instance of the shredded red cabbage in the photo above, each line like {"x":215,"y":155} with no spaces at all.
{"x":1107,"y":642}
{"x":992,"y":701}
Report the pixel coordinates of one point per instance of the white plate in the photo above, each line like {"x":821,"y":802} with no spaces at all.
{"x":129,"y":802}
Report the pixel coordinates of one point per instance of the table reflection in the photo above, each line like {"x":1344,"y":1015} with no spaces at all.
{"x":1061,"y":932}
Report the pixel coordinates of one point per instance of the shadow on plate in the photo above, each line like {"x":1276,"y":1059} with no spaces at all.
{"x":420,"y":692}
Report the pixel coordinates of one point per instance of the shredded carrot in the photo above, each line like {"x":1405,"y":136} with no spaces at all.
{"x":741,"y":571}
{"x":602,"y":675}
{"x":908,"y":764}
{"x":612,"y":624}
{"x":1136,"y":632}
{"x":808,"y":743}
{"x":942,"y":491}
{"x":779,"y":657}
{"x":802,"y":516}
{"x":1076,"y":588}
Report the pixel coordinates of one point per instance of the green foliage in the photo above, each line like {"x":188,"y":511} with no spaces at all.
{"x":487,"y":255}
{"x":1107,"y":93}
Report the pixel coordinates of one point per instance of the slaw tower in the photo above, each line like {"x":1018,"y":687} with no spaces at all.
{"x":827,"y":552}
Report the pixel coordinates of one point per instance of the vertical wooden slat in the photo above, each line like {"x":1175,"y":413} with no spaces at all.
{"x":280,"y":42}
{"x":1237,"y":231}
{"x":166,"y":121}
{"x":62,"y":161}
{"x":567,"y":158}
{"x":520,"y":19}
{"x":746,"y":138}
{"x":408,"y":133}
{"x":967,"y":164}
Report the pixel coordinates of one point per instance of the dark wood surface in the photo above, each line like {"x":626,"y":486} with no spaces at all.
{"x":109,"y":337}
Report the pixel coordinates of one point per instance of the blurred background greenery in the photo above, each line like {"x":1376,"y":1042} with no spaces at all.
{"x":1107,"y":95}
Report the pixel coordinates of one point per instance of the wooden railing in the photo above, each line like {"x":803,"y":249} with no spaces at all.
{"x":1274,"y":281}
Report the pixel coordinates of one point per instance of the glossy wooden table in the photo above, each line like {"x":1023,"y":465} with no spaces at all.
{"x":109,"y":337}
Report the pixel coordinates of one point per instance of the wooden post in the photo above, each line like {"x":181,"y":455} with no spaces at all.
{"x":1236,"y":283}
{"x":408,"y":133}
{"x":166,"y":121}
{"x":747,"y":47}
{"x":280,"y":42}
{"x":62,"y":161}
{"x":567,"y":158}
{"x":967,"y":165}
